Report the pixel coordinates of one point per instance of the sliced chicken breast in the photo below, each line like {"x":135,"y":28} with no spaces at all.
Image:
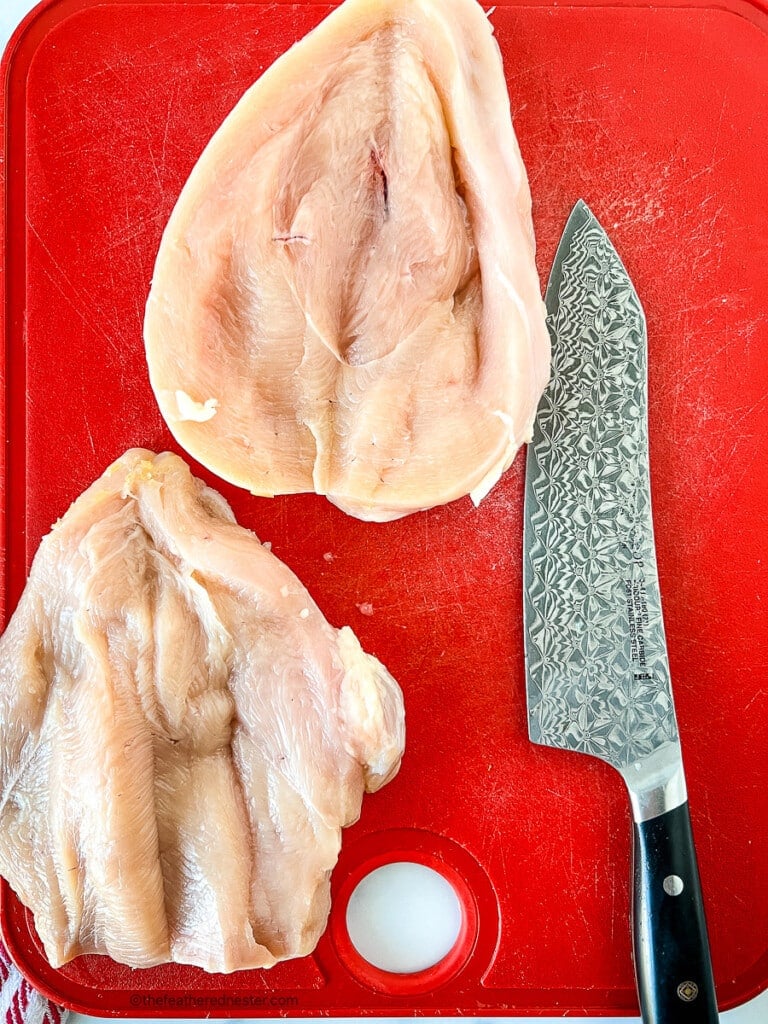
{"x":182,"y":734}
{"x":345,"y":298}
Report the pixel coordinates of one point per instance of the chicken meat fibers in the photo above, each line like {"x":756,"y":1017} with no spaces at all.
{"x":345,"y":299}
{"x":183,"y":735}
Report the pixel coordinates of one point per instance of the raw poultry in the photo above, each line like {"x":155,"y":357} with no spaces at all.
{"x":182,"y":734}
{"x":345,"y":298}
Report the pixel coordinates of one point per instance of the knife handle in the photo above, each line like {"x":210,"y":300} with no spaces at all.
{"x":672,"y":960}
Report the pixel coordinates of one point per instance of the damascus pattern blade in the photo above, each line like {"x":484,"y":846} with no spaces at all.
{"x":596,"y":659}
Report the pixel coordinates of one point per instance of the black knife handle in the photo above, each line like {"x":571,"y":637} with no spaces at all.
{"x":672,"y":961}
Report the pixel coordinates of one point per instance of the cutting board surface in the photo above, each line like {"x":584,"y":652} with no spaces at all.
{"x":657,"y":117}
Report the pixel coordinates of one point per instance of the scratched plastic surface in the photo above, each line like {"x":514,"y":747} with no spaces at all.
{"x":658,"y":117}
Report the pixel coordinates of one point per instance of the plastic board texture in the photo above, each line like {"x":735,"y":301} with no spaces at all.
{"x":657,"y":116}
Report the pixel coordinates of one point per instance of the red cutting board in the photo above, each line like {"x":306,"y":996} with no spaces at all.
{"x":656,"y":115}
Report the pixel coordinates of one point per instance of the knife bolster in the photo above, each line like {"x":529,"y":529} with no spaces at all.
{"x":656,"y":784}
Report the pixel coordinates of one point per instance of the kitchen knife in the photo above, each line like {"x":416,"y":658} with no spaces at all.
{"x":597,"y":672}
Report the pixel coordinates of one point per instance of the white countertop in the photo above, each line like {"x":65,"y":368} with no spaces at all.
{"x":754,"y":1012}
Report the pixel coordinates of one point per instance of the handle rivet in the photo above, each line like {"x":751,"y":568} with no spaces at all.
{"x":687,"y":991}
{"x":673,"y":885}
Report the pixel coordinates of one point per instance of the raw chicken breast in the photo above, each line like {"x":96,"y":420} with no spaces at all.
{"x":183,"y":735}
{"x":345,"y":299}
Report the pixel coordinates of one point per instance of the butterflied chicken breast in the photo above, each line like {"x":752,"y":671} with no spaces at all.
{"x":182,"y":734}
{"x":345,"y":298}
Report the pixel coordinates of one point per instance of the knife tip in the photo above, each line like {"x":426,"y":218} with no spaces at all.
{"x":581,"y":212}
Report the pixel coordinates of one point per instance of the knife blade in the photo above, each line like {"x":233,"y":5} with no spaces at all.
{"x":597,"y":671}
